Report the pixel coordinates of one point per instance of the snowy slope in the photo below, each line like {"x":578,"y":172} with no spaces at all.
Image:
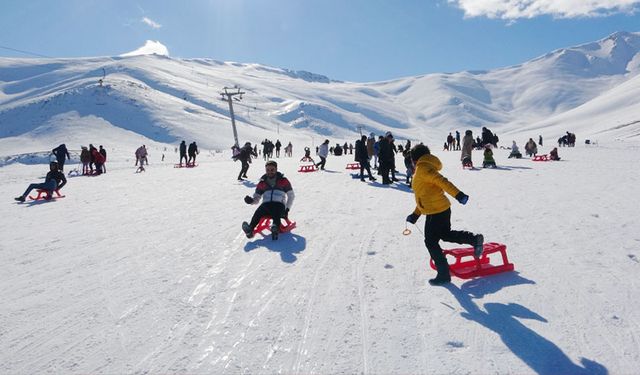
{"x":150,"y":273}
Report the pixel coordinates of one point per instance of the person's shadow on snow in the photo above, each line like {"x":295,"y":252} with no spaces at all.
{"x":287,"y":244}
{"x":249,"y":184}
{"x":540,"y":354}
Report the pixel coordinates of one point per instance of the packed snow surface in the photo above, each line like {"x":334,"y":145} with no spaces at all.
{"x":151,"y":273}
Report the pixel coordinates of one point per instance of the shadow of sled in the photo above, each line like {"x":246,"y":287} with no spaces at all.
{"x":288,"y":246}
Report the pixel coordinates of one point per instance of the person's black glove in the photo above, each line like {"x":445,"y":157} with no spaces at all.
{"x":248,"y":199}
{"x":462,"y":198}
{"x":286,"y":213}
{"x":413,"y":218}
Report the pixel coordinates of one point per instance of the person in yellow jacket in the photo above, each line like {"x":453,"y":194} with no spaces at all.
{"x":429,"y":187}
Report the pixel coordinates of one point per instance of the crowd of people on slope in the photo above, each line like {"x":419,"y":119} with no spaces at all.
{"x":92,"y":159}
{"x":489,"y":142}
{"x":275,"y":195}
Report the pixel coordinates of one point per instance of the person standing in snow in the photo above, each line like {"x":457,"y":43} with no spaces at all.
{"x":288,"y":150}
{"x":277,"y":198}
{"x":278,"y":146}
{"x":103,"y":152}
{"x":85,"y":159}
{"x":54,"y":180}
{"x":183,"y":153}
{"x":429,"y":187}
{"x":323,"y":152}
{"x":530,"y":148}
{"x":386,"y":159}
{"x":61,"y":152}
{"x":467,"y":148}
{"x":192,"y":151}
{"x":245,"y":158}
{"x":362,"y":157}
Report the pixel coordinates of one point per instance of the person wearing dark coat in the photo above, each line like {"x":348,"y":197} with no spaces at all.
{"x":183,"y":152}
{"x":60,"y":152}
{"x":362,"y":157}
{"x":385,"y":158}
{"x":53,"y":181}
{"x":103,"y":152}
{"x":99,"y":160}
{"x":278,"y":145}
{"x":193,"y":151}
{"x":245,"y":158}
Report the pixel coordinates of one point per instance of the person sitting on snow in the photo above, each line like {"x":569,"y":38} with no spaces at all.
{"x":307,"y":156}
{"x":488,"y":161}
{"x":515,"y":151}
{"x":53,"y":181}
{"x":553,"y":155}
{"x":277,"y":198}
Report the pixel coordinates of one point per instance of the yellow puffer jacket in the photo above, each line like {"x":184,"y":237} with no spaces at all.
{"x":429,"y":187}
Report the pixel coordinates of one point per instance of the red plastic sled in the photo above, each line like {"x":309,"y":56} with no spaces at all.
{"x":308,"y":168}
{"x":353,"y":166}
{"x":264,"y":224}
{"x":543,"y":157}
{"x":43,"y":193}
{"x":473,"y":267}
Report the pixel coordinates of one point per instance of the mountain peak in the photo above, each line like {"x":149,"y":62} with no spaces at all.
{"x":150,"y":47}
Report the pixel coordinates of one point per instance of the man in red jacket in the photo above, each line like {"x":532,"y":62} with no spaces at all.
{"x":277,"y":198}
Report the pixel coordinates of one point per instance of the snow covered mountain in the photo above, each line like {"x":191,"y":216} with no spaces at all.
{"x":162,"y":100}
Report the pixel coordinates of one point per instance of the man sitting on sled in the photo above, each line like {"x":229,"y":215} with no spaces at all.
{"x":277,"y":199}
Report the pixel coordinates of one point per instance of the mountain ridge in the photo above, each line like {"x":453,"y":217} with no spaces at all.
{"x":172,"y":99}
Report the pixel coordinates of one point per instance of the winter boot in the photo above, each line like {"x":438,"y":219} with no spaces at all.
{"x":478,"y":246}
{"x":20,"y":198}
{"x":441,"y":279}
{"x":247,"y":229}
{"x":274,"y":232}
{"x":443,"y":276}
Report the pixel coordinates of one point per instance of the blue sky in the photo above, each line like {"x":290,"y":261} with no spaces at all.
{"x":352,"y":40}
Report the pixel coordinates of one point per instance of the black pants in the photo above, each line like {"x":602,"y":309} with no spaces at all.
{"x":365,"y":166}
{"x":383,"y":170}
{"x":244,"y":169}
{"x":438,"y":227}
{"x":273,"y":209}
{"x":323,"y":160}
{"x":61,"y":164}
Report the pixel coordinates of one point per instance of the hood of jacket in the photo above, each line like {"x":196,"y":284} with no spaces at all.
{"x":429,"y":186}
{"x":430,"y":163}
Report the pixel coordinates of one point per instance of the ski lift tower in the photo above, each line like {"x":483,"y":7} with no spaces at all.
{"x":229,"y":96}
